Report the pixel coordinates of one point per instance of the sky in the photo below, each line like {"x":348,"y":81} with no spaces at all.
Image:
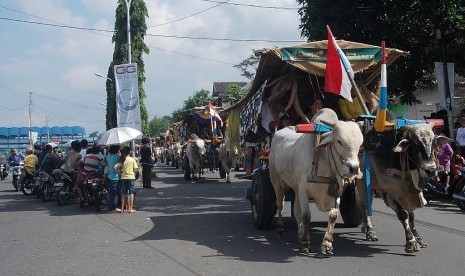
{"x":57,"y":66}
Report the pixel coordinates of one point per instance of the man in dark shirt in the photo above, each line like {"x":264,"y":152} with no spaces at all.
{"x":146,"y":160}
{"x":47,"y":161}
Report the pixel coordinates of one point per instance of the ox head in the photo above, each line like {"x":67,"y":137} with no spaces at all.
{"x":344,"y":143}
{"x":201,"y":145}
{"x":418,"y":142}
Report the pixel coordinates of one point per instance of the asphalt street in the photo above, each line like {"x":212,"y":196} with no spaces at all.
{"x":205,"y":228}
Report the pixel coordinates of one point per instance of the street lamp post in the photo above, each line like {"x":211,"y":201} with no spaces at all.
{"x":128,"y":26}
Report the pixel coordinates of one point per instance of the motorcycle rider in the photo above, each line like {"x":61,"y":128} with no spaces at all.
{"x":92,"y":162}
{"x":72,"y":159}
{"x":15,"y":158}
{"x":47,"y":161}
{"x":30,"y":164}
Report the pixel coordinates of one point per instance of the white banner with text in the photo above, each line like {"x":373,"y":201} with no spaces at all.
{"x":127,"y":96}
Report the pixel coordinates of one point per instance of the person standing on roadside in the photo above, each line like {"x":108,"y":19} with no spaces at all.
{"x":460,"y":138}
{"x":146,"y":161}
{"x":128,"y":167}
{"x":113,"y":177}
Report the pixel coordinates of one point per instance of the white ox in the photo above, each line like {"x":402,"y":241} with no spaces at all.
{"x":195,"y":151}
{"x":291,"y":164}
{"x":400,"y":162}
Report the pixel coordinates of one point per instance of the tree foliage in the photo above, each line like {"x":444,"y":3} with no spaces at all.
{"x":159,"y":125}
{"x":233,"y":93}
{"x":409,"y":25}
{"x":248,"y":67}
{"x":199,"y":98}
{"x":138,"y":14}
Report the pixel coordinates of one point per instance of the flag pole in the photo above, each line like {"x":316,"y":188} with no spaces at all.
{"x":352,"y":81}
{"x":210,"y":106}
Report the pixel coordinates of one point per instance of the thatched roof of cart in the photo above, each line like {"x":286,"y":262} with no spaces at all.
{"x":311,"y":58}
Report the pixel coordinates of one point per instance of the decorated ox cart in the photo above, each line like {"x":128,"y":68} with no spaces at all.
{"x":203,"y":123}
{"x":397,"y":154}
{"x":288,"y":83}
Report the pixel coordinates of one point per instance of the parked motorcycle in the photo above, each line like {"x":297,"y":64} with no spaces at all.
{"x":16,"y":175}
{"x":48,"y":183}
{"x":459,"y":194}
{"x":94,"y":192}
{"x":100,"y":194}
{"x":436,"y":189}
{"x":27,"y":183}
{"x":67,"y":193}
{"x":3,"y":171}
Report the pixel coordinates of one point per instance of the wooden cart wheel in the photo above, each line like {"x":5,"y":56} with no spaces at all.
{"x":263,"y":203}
{"x":349,"y":207}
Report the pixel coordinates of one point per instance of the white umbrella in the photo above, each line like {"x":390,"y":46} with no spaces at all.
{"x":118,"y":135}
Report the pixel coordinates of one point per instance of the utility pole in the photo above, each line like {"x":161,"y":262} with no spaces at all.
{"x":128,"y":27}
{"x":128,"y":6}
{"x":442,"y":33}
{"x":30,"y":123}
{"x":48,"y":129}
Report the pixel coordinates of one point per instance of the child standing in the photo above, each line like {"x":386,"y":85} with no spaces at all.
{"x":128,"y":166}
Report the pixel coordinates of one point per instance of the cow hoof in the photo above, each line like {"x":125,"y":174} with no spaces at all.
{"x":411,"y":247}
{"x":364,"y":229}
{"x":228,"y":181}
{"x":304,"y":249}
{"x":421,"y":243}
{"x":371,"y":236}
{"x":326,"y":249}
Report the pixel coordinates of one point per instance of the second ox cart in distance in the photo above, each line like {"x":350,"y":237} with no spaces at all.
{"x":288,"y":90}
{"x":201,"y":127}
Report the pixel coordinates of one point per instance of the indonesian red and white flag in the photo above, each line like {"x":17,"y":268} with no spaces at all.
{"x":337,"y":70}
{"x":215,"y":115}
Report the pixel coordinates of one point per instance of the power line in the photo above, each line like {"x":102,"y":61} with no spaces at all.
{"x":11,"y":108}
{"x":191,"y":15}
{"x":254,"y":6}
{"x":56,"y":25}
{"x":21,"y":94}
{"x":224,"y":39}
{"x":188,"y":55}
{"x":154,"y":35}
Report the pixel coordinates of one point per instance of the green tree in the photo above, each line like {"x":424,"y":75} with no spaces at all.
{"x":233,"y":93}
{"x":248,"y":66}
{"x":409,"y":25}
{"x":159,"y":125}
{"x":138,"y":14}
{"x":199,"y":98}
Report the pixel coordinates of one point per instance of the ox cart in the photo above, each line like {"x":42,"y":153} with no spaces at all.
{"x":285,"y":91}
{"x":205,"y":124}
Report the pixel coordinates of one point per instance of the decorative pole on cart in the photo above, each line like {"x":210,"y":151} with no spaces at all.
{"x":339,"y":80}
{"x":213,"y":117}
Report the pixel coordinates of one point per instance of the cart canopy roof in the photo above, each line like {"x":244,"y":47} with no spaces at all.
{"x":310,"y":57}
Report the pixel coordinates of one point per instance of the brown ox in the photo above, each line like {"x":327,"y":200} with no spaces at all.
{"x":401,"y":161}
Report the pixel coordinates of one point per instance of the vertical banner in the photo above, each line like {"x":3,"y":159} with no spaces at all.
{"x":127,"y":96}
{"x":439,"y":68}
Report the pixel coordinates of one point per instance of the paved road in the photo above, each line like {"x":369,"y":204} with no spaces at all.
{"x":206,"y":229}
